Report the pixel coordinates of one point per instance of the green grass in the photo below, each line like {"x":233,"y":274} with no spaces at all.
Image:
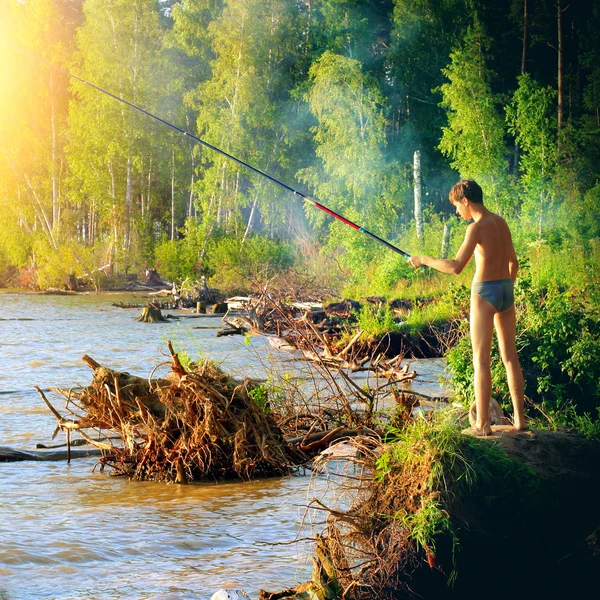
{"x":374,"y":321}
{"x":436,"y":312}
{"x":448,"y":477}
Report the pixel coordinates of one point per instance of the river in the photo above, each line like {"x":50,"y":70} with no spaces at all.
{"x":69,"y":532}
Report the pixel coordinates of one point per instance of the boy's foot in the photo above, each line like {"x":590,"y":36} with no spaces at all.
{"x":482,"y":431}
{"x":520,"y":425}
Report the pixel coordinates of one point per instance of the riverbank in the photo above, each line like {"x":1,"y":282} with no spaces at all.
{"x":442,"y":514}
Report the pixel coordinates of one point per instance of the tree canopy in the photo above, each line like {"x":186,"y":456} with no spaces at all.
{"x":333,"y":97}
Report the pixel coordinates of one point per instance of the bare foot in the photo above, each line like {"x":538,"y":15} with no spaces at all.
{"x":483,"y":431}
{"x":519,"y":425}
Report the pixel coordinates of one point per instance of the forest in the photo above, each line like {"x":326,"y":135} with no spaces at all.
{"x":374,"y":107}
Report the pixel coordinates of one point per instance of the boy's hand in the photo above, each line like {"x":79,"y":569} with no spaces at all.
{"x":416,"y":261}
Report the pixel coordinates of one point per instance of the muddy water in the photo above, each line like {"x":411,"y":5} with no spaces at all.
{"x":70,"y":532}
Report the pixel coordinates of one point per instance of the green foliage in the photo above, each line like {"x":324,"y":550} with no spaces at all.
{"x":435,"y":312}
{"x":531,"y":119}
{"x":260,"y":395}
{"x":235,"y":264}
{"x":564,"y":348}
{"x":168,"y":259}
{"x":565,"y":415}
{"x":374,"y":321}
{"x":181,"y":259}
{"x":349,"y":138}
{"x":474,"y":137}
{"x":583,"y":216}
{"x":54,"y":267}
{"x":558,"y":338}
{"x":564,"y":264}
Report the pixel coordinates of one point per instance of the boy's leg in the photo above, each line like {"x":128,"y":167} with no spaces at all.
{"x":506,"y":332}
{"x":482,"y":330}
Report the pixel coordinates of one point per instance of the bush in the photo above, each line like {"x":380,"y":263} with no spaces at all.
{"x":235,"y":264}
{"x":559,"y":350}
{"x":55,"y":265}
{"x":374,"y":321}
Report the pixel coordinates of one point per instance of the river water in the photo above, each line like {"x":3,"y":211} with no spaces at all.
{"x":69,"y":532}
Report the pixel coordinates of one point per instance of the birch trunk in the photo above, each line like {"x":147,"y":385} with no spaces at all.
{"x":53,"y":155}
{"x":128,"y":193}
{"x":190,"y":210}
{"x":250,"y":219}
{"x":560,"y":70}
{"x":446,"y":240}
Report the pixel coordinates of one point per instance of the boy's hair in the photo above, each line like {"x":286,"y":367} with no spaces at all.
{"x":466,"y":188}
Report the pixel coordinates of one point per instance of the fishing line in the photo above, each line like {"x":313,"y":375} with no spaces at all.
{"x":304,"y":197}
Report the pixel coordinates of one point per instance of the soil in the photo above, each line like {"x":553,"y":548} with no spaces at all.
{"x":547,"y":550}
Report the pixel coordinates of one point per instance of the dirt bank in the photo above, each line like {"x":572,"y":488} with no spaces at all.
{"x":448,"y":515}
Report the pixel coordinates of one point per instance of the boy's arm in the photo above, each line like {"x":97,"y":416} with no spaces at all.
{"x":453,"y":266}
{"x":513,"y":263}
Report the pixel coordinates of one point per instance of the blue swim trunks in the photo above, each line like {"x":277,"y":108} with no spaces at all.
{"x":500,"y":293}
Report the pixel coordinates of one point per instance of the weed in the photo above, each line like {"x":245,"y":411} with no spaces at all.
{"x":374,"y":321}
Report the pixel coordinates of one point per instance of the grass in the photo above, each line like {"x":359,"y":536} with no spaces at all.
{"x":374,"y":321}
{"x":436,"y":479}
{"x":565,"y":417}
{"x":438,"y":311}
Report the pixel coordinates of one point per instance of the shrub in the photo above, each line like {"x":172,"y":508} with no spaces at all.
{"x":374,"y":321}
{"x":259,"y":257}
{"x":559,"y":350}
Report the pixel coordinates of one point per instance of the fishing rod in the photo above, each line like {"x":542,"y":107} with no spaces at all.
{"x":204,"y":143}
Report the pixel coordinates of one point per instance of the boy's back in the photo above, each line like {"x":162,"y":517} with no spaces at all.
{"x":495,"y":257}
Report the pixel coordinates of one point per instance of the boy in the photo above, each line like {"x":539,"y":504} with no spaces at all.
{"x":492,"y":297}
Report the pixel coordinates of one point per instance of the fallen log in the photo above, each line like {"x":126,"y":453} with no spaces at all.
{"x":13,"y":455}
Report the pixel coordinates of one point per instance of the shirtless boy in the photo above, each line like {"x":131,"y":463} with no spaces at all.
{"x":492,"y":297}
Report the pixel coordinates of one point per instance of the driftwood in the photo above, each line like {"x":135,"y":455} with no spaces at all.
{"x":196,"y":423}
{"x":12,"y":455}
{"x":316,"y":333}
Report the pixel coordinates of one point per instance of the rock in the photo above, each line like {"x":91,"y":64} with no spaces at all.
{"x":496,"y":415}
{"x":224,"y":594}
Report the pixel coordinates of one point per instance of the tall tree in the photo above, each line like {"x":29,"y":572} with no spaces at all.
{"x":350,"y":137}
{"x":33,"y":114}
{"x":239,"y":108}
{"x":531,"y":119}
{"x":119,"y":50}
{"x":474,"y":137}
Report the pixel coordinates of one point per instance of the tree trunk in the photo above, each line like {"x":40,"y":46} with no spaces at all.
{"x":250,"y":219}
{"x":524,"y":49}
{"x":151,"y":314}
{"x":53,"y":154}
{"x":115,"y":221}
{"x":146,"y":204}
{"x":128,"y":194}
{"x":418,"y":196}
{"x":523,"y":71}
{"x":446,"y":240}
{"x":190,"y":211}
{"x":560,"y":70}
